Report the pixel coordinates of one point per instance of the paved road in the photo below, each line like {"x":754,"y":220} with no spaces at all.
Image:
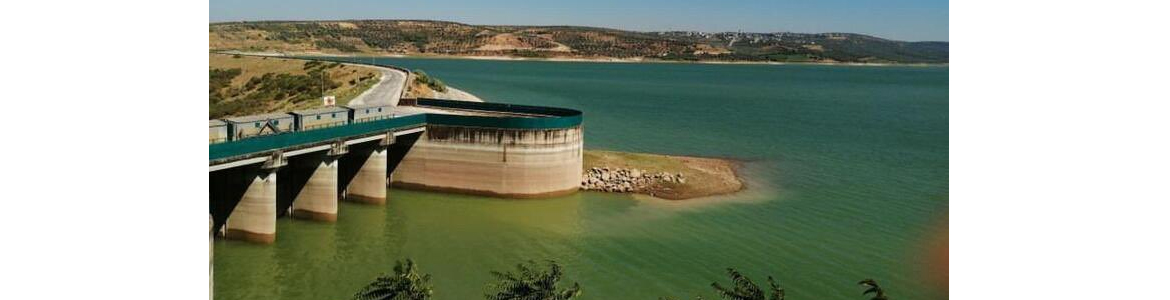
{"x":385,"y":91}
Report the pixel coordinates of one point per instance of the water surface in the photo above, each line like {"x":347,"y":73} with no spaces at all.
{"x":848,"y":179}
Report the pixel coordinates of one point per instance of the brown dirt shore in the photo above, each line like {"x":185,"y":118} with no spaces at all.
{"x":704,"y":176}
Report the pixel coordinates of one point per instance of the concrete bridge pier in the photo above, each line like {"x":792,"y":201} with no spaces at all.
{"x":318,"y":200}
{"x":309,"y":182}
{"x":254,"y":218}
{"x":244,"y":201}
{"x":365,"y":167}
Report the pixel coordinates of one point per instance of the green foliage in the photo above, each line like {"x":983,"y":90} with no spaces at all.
{"x":256,"y":94}
{"x":221,"y":78}
{"x":284,"y":85}
{"x":421,"y":77}
{"x":532,"y":282}
{"x":404,"y":284}
{"x":785,"y":57}
{"x":874,"y":288}
{"x":531,"y":53}
{"x":335,"y":44}
{"x":528,"y":282}
{"x":218,"y":80}
{"x":745,"y":289}
{"x":309,"y":65}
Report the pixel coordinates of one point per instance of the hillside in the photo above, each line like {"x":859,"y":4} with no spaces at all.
{"x":245,"y":85}
{"x":410,"y":37}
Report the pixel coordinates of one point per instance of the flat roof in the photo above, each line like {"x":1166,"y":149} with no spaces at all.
{"x":322,"y":110}
{"x":216,"y":123}
{"x":254,"y":118}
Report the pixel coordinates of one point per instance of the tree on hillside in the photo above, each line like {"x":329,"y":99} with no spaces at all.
{"x":404,"y":284}
{"x":530,"y":282}
{"x":878,"y":293}
{"x":745,"y":289}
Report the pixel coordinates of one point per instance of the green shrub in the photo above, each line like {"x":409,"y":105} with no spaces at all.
{"x":405,"y":284}
{"x":531,"y":282}
{"x":421,"y":77}
{"x":218,"y":79}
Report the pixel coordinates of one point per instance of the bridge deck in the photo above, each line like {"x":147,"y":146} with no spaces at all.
{"x":448,"y":112}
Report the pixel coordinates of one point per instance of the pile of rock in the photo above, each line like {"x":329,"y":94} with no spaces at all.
{"x":626,"y":180}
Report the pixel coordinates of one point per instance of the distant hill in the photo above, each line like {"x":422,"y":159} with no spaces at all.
{"x":449,"y":38}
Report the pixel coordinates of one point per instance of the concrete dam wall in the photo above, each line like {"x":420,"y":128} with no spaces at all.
{"x":533,"y":152}
{"x":502,"y":162}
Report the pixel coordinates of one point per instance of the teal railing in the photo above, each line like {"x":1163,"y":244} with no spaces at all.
{"x":546,"y":117}
{"x":542,"y":118}
{"x":297,"y":138}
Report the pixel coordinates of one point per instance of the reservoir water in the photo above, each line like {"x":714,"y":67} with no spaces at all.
{"x":847,"y":169}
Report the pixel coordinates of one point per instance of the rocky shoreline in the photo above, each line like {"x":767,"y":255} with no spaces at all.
{"x":660,"y":176}
{"x":620,"y":180}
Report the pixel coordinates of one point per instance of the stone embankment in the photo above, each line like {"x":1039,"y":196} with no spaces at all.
{"x":619,"y":180}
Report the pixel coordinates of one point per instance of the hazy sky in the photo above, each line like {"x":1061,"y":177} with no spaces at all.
{"x":911,"y":20}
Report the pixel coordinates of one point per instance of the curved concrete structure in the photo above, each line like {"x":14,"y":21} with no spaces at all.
{"x":502,"y":162}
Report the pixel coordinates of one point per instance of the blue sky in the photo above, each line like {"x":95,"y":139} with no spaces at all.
{"x":911,"y":20}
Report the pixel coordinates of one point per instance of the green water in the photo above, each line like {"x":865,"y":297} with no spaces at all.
{"x":847,"y":170}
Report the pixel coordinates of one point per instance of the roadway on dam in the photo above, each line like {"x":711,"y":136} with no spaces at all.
{"x":386,"y":91}
{"x":389,"y":90}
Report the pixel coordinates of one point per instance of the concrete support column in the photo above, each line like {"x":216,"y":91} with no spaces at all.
{"x":317,"y":200}
{"x":369,"y":184}
{"x":254,"y":217}
{"x":210,"y":257}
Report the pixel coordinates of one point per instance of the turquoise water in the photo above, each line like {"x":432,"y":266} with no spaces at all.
{"x":847,"y":170}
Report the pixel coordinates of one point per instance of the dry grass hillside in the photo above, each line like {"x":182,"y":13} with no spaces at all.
{"x":449,"y":38}
{"x":245,"y":85}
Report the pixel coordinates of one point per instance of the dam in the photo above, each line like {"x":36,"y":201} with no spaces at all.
{"x":493,"y":149}
{"x":518,"y":157}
